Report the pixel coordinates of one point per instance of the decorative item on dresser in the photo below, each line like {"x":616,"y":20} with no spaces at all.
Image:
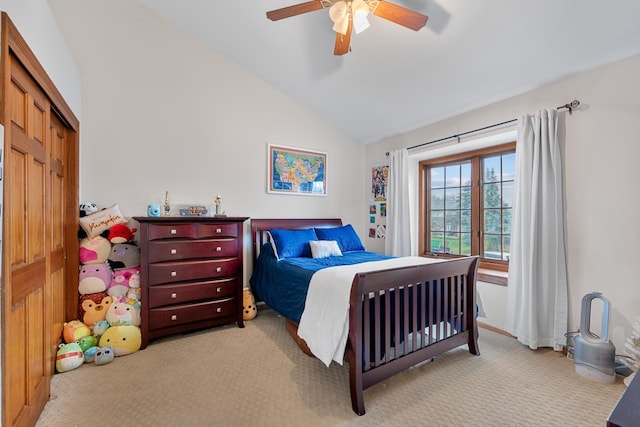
{"x":191,"y":273}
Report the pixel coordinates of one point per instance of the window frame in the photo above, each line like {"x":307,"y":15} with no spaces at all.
{"x":475,"y":157}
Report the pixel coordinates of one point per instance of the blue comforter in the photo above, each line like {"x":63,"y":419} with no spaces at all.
{"x":282,"y":284}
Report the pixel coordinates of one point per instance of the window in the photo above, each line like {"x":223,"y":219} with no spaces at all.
{"x":466,"y":203}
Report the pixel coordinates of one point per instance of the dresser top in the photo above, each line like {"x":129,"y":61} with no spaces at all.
{"x":191,"y":219}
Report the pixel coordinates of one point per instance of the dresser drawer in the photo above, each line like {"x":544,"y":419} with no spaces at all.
{"x":169,"y":250}
{"x":180,"y":293}
{"x":168,"y":231}
{"x":217,"y":230}
{"x":169,"y":272}
{"x":164,"y":317}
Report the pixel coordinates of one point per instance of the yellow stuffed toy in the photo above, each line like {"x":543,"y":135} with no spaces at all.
{"x":249,"y":310}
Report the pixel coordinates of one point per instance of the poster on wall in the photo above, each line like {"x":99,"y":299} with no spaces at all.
{"x":378,"y":205}
{"x":379,"y":180}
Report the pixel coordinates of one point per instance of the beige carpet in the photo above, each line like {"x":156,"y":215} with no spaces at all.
{"x":257,"y":376}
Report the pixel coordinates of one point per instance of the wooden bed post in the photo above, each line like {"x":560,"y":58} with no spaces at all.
{"x":471,"y":308}
{"x":355,"y":358}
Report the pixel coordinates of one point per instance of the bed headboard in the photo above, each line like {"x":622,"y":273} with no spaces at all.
{"x":259,"y":228}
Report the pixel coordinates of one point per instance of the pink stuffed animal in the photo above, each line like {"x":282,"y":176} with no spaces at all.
{"x":94,"y":251}
{"x":122,"y":280}
{"x":94,"y":278}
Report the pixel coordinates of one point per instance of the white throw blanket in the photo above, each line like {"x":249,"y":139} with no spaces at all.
{"x":324,"y":324}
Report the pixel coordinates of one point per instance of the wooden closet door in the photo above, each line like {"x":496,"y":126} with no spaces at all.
{"x":28,"y":313}
{"x":40,"y":225}
{"x":56,"y":212}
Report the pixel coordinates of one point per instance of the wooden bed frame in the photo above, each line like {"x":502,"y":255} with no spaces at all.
{"x":387,"y":308}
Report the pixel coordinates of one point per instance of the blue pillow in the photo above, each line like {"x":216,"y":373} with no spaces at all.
{"x":346,"y":237}
{"x":292,"y":243}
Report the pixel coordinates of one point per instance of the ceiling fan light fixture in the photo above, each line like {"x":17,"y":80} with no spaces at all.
{"x":341,"y":27}
{"x":359,"y":11}
{"x":339,"y":14}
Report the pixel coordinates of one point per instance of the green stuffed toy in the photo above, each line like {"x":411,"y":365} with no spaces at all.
{"x":69,"y":357}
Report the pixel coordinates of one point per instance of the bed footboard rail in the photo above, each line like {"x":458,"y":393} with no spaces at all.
{"x":403,"y":316}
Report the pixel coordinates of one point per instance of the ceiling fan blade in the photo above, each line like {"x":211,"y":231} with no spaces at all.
{"x":343,"y":42}
{"x":400,"y":15}
{"x":296,"y":9}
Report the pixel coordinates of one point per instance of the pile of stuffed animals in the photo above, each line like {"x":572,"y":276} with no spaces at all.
{"x":108,"y":323}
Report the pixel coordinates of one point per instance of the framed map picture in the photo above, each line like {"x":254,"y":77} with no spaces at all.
{"x":296,"y":171}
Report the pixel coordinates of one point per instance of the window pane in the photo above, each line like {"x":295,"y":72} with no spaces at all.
{"x":437,"y":177}
{"x":506,"y":247}
{"x":465,"y":221}
{"x":437,"y":199}
{"x":437,"y":221}
{"x":437,"y":242}
{"x":453,"y":198}
{"x":452,"y":220}
{"x":465,"y":198}
{"x":508,"y":167}
{"x":492,"y":221}
{"x":452,"y":243}
{"x":452,"y":175}
{"x":506,"y":221}
{"x":465,"y":174}
{"x":465,"y":248}
{"x":507,"y":194}
{"x":491,"y":169}
{"x":492,"y":195}
{"x":492,"y":247}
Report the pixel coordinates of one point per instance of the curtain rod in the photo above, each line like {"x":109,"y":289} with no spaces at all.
{"x":570,"y":106}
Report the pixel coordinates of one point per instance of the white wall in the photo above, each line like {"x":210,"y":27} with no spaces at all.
{"x":601,"y":152}
{"x":37,"y":25}
{"x":162,"y":112}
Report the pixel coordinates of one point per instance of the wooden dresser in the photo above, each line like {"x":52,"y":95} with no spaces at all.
{"x":191,"y":273}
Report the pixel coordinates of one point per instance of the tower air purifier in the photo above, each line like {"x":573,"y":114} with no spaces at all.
{"x":594,"y":356}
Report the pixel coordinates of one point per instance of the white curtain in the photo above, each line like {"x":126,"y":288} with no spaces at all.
{"x":398,"y":234}
{"x":537,"y":292}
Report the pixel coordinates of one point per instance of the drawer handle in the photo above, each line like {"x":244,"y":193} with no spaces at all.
{"x":174,"y":295}
{"x":174,"y":274}
{"x":174,"y":231}
{"x":219,"y":269}
{"x":218,"y":230}
{"x":218,"y":249}
{"x":219,"y":310}
{"x":174,"y":317}
{"x":219,"y":289}
{"x":174,"y":251}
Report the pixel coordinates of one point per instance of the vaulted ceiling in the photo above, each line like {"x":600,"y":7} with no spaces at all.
{"x":471,"y":53}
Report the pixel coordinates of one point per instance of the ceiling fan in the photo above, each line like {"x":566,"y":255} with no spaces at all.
{"x":348,"y":15}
